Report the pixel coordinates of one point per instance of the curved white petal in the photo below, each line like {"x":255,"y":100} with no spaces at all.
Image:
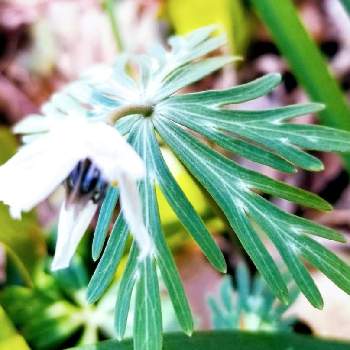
{"x":72,"y":224}
{"x":132,"y":211}
{"x":40,"y":166}
{"x":32,"y":124}
{"x":36,"y":170}
{"x":111,"y":153}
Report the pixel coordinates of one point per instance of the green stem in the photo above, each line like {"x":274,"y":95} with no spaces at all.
{"x":109,"y":6}
{"x":90,"y":335}
{"x":306,"y":61}
{"x":145,"y":110}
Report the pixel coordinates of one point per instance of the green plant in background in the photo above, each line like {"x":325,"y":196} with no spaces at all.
{"x":9,"y":337}
{"x":228,"y":15}
{"x":306,"y":61}
{"x":228,"y":339}
{"x":23,"y":240}
{"x":137,"y":93}
{"x":346,"y":4}
{"x":55,"y":310}
{"x":251,"y":306}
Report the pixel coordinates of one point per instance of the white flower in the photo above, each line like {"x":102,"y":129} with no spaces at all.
{"x":55,"y":147}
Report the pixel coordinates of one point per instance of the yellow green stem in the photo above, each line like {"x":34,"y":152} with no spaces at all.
{"x":145,"y":110}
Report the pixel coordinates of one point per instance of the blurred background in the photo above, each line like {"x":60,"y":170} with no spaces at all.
{"x":46,"y":43}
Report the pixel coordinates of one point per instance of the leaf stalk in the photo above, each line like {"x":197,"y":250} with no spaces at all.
{"x":123,"y":111}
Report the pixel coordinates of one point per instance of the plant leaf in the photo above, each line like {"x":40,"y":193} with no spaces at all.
{"x":148,"y":317}
{"x":9,"y":338}
{"x":237,"y":94}
{"x":224,"y":340}
{"x":292,"y":39}
{"x":104,"y":220}
{"x":189,"y":74}
{"x":126,"y":287}
{"x":164,"y":259}
{"x":189,"y":151}
{"x":110,"y":259}
{"x":183,"y":208}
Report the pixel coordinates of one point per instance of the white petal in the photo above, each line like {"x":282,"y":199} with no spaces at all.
{"x":132,"y":211}
{"x":39,"y":167}
{"x":72,"y":225}
{"x":30,"y":138}
{"x":36,"y":170}
{"x":111,"y":153}
{"x":32,"y":124}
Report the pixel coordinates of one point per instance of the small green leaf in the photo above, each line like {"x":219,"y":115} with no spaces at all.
{"x":251,"y":178}
{"x":300,"y":274}
{"x":37,"y":314}
{"x":104,"y":220}
{"x":258,"y":253}
{"x":324,"y":260}
{"x":299,"y":224}
{"x":246,"y":149}
{"x":189,"y":74}
{"x":283,"y":148}
{"x":312,"y":137}
{"x":126,"y":287}
{"x":237,"y":94}
{"x":245,"y":126}
{"x":9,"y":338}
{"x":283,"y":190}
{"x":163,"y":256}
{"x":230,"y":119}
{"x":226,"y":293}
{"x":236,"y":144}
{"x":148,"y":317}
{"x":106,"y":267}
{"x":243,"y":285}
{"x":125,"y":124}
{"x":184,"y":209}
{"x":193,"y":45}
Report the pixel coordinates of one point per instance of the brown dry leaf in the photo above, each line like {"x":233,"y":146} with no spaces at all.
{"x":331,"y":322}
